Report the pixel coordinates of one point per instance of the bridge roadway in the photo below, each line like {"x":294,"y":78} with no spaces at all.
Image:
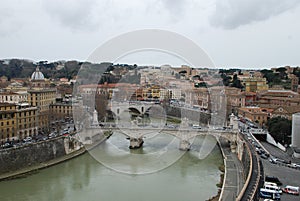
{"x":186,"y":133}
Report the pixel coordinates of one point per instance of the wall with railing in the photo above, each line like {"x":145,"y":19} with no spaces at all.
{"x":254,"y":170}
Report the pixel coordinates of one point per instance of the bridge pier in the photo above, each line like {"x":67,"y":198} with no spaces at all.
{"x":184,"y":145}
{"x":136,"y":143}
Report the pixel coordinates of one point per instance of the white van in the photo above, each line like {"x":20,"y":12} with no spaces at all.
{"x":274,"y":188}
{"x":270,"y":183}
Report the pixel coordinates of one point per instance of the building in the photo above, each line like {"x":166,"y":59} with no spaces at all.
{"x":250,"y":98}
{"x":255,"y":84}
{"x":184,"y":69}
{"x":8,"y":122}
{"x":42,"y":99}
{"x":61,"y":111}
{"x":38,"y":80}
{"x":235,"y":99}
{"x":296,"y":134}
{"x":285,"y":111}
{"x":14,"y":97}
{"x":27,"y":120}
{"x":294,"y":82}
{"x":254,"y":114}
{"x":279,"y":98}
{"x":17,"y":121}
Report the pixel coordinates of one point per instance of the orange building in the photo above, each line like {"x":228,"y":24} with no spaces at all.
{"x":254,"y":114}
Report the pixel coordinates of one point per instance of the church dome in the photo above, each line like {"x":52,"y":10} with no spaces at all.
{"x":37,"y":75}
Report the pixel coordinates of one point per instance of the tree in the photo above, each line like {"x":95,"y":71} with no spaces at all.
{"x":280,"y":128}
{"x":236,"y":82}
{"x":226,"y":79}
{"x":282,"y":72}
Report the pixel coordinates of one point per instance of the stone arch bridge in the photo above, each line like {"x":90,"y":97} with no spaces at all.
{"x":141,"y":108}
{"x":185,"y":135}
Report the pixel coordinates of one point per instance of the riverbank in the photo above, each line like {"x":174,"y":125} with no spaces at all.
{"x":26,"y":171}
{"x":23,"y":172}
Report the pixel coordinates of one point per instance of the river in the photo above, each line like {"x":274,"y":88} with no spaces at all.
{"x":154,"y":172}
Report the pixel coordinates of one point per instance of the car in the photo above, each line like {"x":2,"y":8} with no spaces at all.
{"x":272,"y":187}
{"x":273,"y":180}
{"x":219,"y":128}
{"x":294,"y":190}
{"x":266,"y":193}
{"x":264,"y":156}
{"x":28,"y":139}
{"x":7,"y":145}
{"x":196,"y":126}
{"x":170,"y":126}
{"x":51,"y":135}
{"x":258,"y":151}
{"x":270,"y":183}
{"x":294,"y":165}
{"x":27,"y":142}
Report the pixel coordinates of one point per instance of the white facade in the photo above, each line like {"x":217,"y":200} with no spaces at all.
{"x":37,"y":75}
{"x":296,"y":131}
{"x":13,"y":97}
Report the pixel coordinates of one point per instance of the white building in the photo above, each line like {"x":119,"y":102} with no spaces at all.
{"x":14,"y":97}
{"x":296,"y":134}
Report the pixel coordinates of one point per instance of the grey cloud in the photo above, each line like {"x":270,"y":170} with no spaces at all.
{"x":7,"y":23}
{"x":174,"y":6}
{"x":230,"y":14}
{"x":75,"y":14}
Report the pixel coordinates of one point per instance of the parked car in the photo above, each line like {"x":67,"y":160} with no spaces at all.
{"x":273,"y":180}
{"x":196,"y":126}
{"x":270,"y":183}
{"x":264,"y":156}
{"x":51,"y":135}
{"x":272,"y":187}
{"x":266,"y":193}
{"x":27,"y":139}
{"x":294,"y":190}
{"x":294,"y":165}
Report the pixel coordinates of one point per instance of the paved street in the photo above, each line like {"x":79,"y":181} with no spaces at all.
{"x":234,"y":178}
{"x":287,"y":175}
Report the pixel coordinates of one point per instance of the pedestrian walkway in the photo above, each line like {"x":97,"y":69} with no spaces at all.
{"x":234,"y":178}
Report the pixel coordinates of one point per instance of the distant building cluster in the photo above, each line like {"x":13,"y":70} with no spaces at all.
{"x":29,"y":106}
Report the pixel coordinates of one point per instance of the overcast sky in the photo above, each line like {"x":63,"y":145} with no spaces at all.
{"x":234,"y":33}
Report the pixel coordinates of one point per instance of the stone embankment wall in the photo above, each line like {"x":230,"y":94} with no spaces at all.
{"x":13,"y":159}
{"x":193,"y":115}
{"x":253,"y":170}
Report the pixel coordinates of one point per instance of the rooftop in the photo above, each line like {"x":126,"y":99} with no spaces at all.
{"x":37,"y":75}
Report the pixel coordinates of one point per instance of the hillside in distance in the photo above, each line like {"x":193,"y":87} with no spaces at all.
{"x":20,"y":68}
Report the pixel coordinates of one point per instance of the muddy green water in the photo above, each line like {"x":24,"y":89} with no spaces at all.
{"x":120,"y":174}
